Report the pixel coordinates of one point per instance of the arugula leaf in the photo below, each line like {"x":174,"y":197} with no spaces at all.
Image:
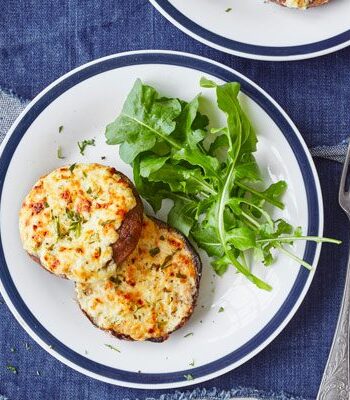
{"x":248,"y":169}
{"x":180,"y":178}
{"x":191,"y":150}
{"x":206,"y":237}
{"x":241,"y":136}
{"x":182,"y":214}
{"x":220,"y":143}
{"x":152,"y":192}
{"x":146,"y":119}
{"x":241,"y":238}
{"x":207,"y":83}
{"x":221,"y":265}
{"x":275,"y":191}
{"x":151,"y":163}
{"x":271,"y":196}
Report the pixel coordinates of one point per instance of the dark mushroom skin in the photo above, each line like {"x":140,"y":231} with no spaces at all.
{"x":130,"y":230}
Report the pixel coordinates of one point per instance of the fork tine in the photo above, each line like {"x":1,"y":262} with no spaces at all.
{"x":342,"y":189}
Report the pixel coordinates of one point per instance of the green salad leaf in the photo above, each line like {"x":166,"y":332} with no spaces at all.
{"x":211,"y":176}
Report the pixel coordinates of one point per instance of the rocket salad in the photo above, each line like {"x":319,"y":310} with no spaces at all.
{"x":211,"y":176}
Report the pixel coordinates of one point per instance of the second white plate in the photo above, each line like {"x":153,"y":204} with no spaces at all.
{"x":262,"y":30}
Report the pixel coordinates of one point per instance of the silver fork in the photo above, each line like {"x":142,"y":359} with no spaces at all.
{"x":335,"y":384}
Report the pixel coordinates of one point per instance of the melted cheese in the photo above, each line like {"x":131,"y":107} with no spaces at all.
{"x":70,"y":217}
{"x":297,"y":3}
{"x":153,"y":290}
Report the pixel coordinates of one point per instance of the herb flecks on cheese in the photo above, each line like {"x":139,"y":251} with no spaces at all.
{"x":145,"y":301}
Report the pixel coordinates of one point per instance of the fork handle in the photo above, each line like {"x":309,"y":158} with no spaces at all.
{"x":335,"y":384}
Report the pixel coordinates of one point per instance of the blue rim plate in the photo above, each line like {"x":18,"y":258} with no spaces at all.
{"x":205,"y":32}
{"x":303,"y":278}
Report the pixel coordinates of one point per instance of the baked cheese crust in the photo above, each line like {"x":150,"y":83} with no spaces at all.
{"x":69,"y":220}
{"x":303,"y":4}
{"x":153,"y":292}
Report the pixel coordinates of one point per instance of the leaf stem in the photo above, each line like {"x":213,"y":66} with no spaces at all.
{"x":244,"y":261}
{"x":164,"y":137}
{"x":261,"y":195}
{"x":205,"y":185}
{"x":251,"y":219}
{"x":221,"y":232}
{"x":295,"y":258}
{"x":293,"y":238}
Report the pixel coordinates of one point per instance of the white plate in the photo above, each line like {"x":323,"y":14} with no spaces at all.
{"x":84,"y":101}
{"x":260,"y":29}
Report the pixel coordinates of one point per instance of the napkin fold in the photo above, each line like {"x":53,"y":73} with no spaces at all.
{"x":335,"y":153}
{"x":11,"y":106}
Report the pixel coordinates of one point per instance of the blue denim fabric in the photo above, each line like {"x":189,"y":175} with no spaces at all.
{"x":42,"y":39}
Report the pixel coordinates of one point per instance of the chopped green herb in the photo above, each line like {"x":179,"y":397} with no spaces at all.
{"x":71,"y":168}
{"x":138,"y":308}
{"x":76,"y":222}
{"x":189,"y":334}
{"x":46,"y":204}
{"x":188,"y":377}
{"x":103,"y":157}
{"x":89,"y":191}
{"x":167,"y":260}
{"x":59,"y":153}
{"x":12,"y":369}
{"x":82,"y":145}
{"x":94,"y":238}
{"x":60,"y":129}
{"x":59,"y":232}
{"x":153,"y":252}
{"x":228,"y":9}
{"x":84,"y":174}
{"x":112,"y":347}
{"x":191,"y":363}
{"x":109,"y":221}
{"x":180,"y":275}
{"x":116,"y":280}
{"x":221,"y":309}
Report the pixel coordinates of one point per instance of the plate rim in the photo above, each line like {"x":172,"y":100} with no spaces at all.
{"x":180,"y":383}
{"x":246,"y":50}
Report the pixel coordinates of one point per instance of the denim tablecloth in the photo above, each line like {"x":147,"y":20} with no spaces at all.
{"x":42,"y":39}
